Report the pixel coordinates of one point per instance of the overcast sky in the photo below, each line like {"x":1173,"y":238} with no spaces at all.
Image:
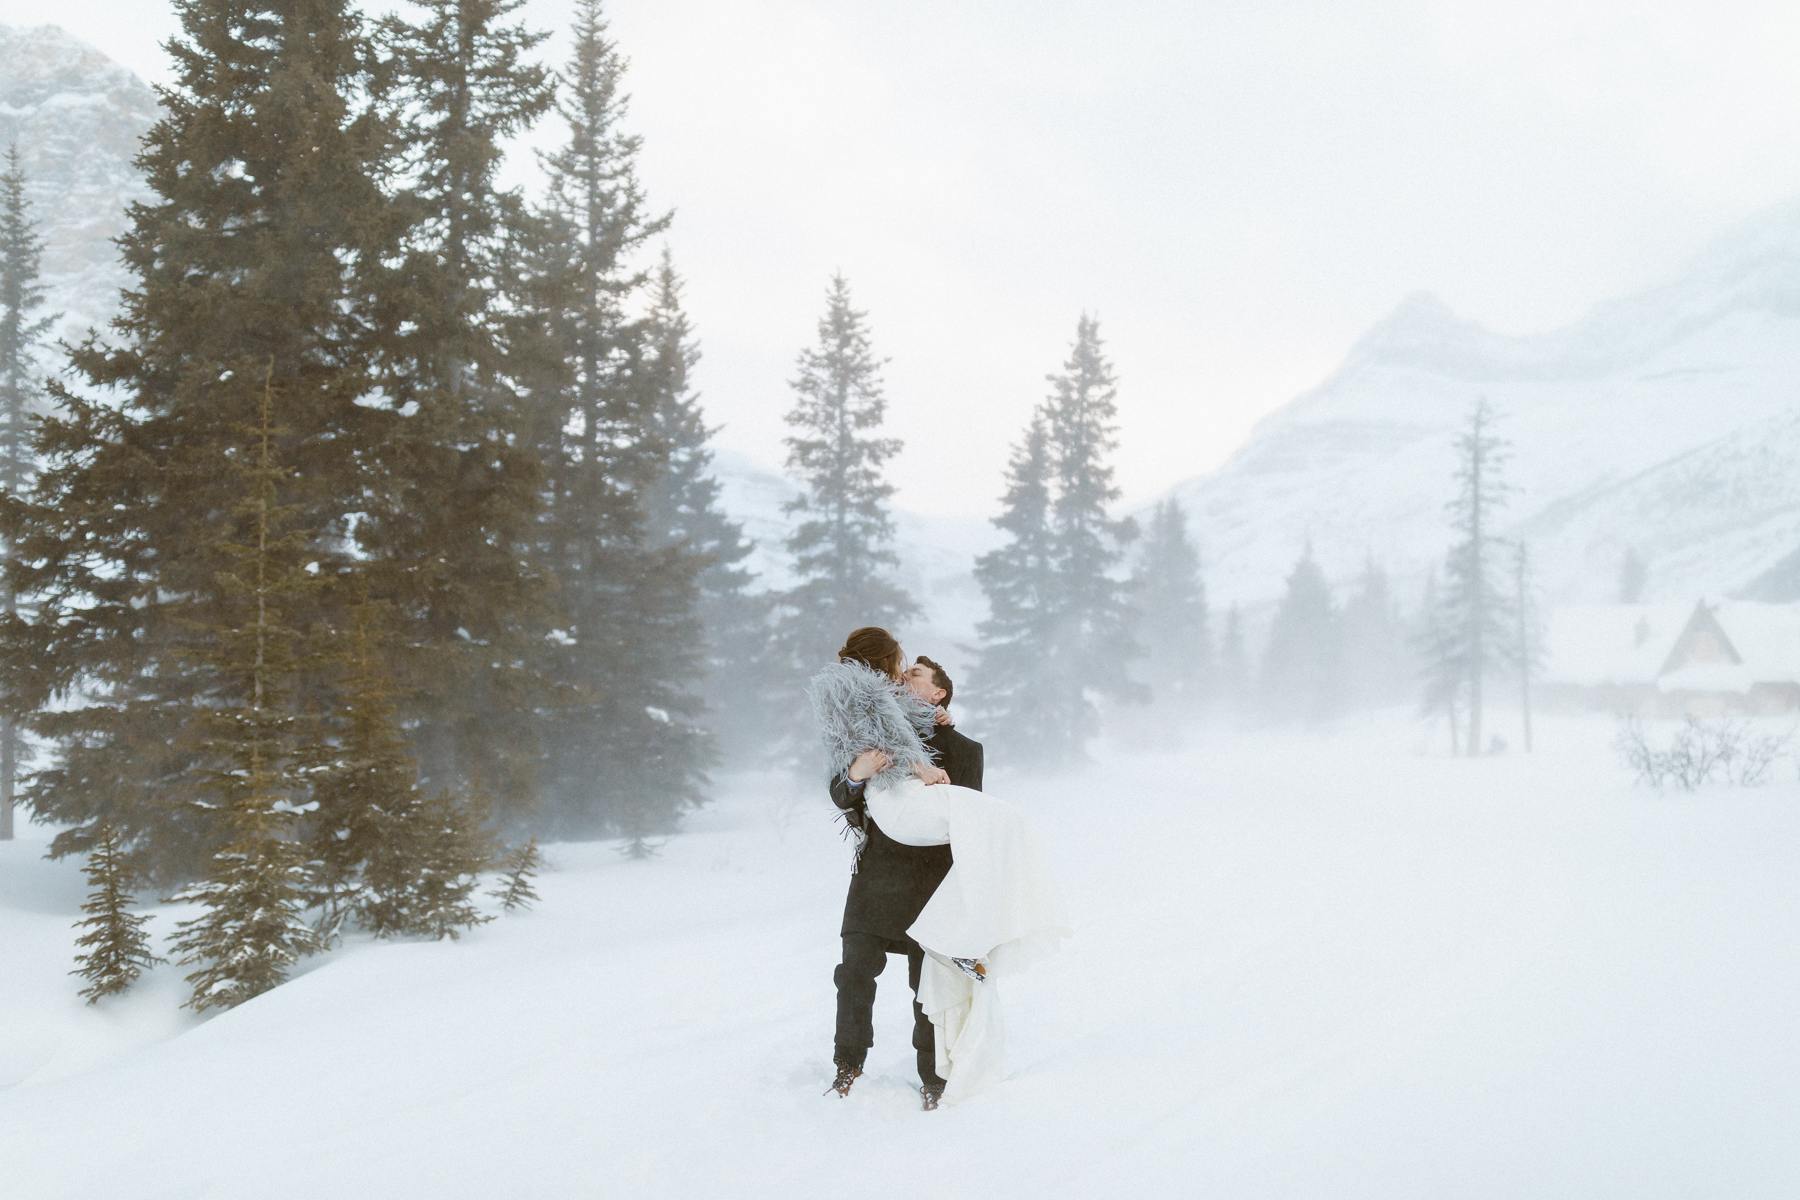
{"x":1236,"y":189}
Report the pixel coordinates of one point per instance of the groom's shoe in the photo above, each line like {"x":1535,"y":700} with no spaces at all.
{"x":846,"y":1075}
{"x":930,"y":1097}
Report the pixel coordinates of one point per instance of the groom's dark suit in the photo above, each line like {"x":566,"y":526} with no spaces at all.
{"x":890,"y":887}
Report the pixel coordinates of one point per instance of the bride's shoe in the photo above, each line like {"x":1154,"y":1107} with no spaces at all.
{"x":974,"y":968}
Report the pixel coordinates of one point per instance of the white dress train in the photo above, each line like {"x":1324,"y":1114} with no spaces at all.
{"x":998,"y":903}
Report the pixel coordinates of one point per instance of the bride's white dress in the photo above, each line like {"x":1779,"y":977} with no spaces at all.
{"x":998,"y":903}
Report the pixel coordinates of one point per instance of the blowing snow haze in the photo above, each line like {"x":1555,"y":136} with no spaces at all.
{"x":1662,"y":421}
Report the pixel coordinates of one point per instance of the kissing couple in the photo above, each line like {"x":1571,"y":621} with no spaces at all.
{"x":947,"y":875}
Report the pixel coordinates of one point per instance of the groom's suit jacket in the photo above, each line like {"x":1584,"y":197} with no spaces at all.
{"x":893,"y":881}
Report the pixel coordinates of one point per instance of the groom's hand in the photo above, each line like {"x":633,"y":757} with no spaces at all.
{"x":866,"y":764}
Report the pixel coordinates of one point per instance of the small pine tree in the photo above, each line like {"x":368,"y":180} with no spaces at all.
{"x":432,"y":851}
{"x":455,"y":853}
{"x":114,"y":950}
{"x":843,"y":544}
{"x":1169,"y":602}
{"x":22,"y":333}
{"x":520,"y":867}
{"x":1301,"y":678}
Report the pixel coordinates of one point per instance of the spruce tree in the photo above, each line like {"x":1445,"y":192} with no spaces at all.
{"x":842,"y":546}
{"x":266,"y":208}
{"x":1301,"y":667}
{"x":1377,"y":659}
{"x":683,"y":509}
{"x":520,"y":867}
{"x":252,"y":929}
{"x":457,"y":850}
{"x":455,"y":479}
{"x":1475,"y":596}
{"x":1091,"y":642}
{"x":1018,"y":578}
{"x":1169,"y":600}
{"x":422,"y":882}
{"x":626,"y":750}
{"x":115,"y":950}
{"x":23,"y":329}
{"x":1437,"y":639}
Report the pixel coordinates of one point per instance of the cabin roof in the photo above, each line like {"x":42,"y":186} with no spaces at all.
{"x":1595,"y":645}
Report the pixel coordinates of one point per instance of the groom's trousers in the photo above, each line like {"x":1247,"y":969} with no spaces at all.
{"x":865,"y":955}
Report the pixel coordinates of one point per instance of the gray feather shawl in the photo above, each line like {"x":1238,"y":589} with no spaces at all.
{"x":858,"y":708}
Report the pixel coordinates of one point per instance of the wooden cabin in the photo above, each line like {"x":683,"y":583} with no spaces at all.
{"x":1711,"y":659}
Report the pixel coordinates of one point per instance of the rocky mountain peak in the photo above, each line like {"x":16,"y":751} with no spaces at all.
{"x":76,"y":117}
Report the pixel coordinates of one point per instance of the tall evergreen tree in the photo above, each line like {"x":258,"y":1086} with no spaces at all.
{"x":252,"y":929}
{"x":1017,"y":666}
{"x":115,"y":950}
{"x":265,"y":209}
{"x":1092,"y":642}
{"x":23,"y":328}
{"x":1475,"y":595}
{"x":1301,"y":674}
{"x":843,"y":544}
{"x":626,"y":751}
{"x":1059,"y":630}
{"x":1169,"y":598}
{"x":449,"y":523}
{"x":683,"y":509}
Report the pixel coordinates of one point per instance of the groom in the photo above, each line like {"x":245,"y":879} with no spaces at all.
{"x":890,"y":886}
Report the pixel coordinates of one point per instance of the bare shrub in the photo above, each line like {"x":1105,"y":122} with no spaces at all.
{"x":1700,"y":752}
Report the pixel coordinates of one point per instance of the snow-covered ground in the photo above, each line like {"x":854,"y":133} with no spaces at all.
{"x":1334,"y":967}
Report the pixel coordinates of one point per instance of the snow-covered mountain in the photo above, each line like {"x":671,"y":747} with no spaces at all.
{"x":1668,"y":421}
{"x":76,"y":117}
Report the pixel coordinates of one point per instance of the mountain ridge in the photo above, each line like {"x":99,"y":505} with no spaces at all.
{"x":1657,"y":420}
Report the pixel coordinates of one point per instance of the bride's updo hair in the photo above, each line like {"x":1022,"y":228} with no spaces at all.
{"x":874,"y":647}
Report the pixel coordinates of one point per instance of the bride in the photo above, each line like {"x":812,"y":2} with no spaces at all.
{"x":998,"y":908}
